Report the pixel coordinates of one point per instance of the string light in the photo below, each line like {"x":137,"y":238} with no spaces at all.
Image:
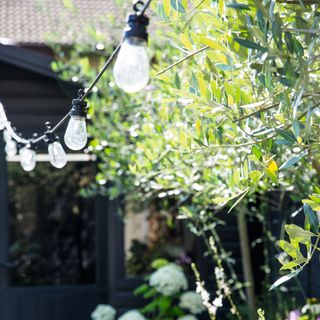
{"x":131,"y":69}
{"x":76,"y":134}
{"x":11,"y":148}
{"x":131,"y":72}
{"x":28,"y":157}
{"x":6,"y":136}
{"x":57,"y":155}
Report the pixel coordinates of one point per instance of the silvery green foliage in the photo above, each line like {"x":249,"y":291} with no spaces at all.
{"x":192,"y":302}
{"x":169,"y":280}
{"x":132,"y":315}
{"x":188,"y":317}
{"x":103,"y":312}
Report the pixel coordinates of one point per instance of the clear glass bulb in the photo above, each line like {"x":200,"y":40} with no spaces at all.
{"x":6,"y":136}
{"x":11,"y":148}
{"x":2,"y":126}
{"x":57,"y":155}
{"x":131,"y":69}
{"x":27,"y":158}
{"x":76,"y":137}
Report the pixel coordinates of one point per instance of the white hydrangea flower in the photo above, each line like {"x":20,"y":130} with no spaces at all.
{"x":132,"y":315}
{"x":169,"y":280}
{"x":103,"y":312}
{"x":192,"y":302}
{"x":188,"y":317}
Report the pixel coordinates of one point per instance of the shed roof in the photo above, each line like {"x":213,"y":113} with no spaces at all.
{"x":34,"y":21}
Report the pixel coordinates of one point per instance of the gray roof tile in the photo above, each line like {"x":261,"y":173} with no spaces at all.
{"x":37,"y":21}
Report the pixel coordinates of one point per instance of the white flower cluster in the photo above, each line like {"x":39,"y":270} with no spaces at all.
{"x":188,"y":317}
{"x":205,"y":296}
{"x":169,"y":280}
{"x":192,"y":302}
{"x":221,"y":281}
{"x":132,"y":315}
{"x":103,"y":312}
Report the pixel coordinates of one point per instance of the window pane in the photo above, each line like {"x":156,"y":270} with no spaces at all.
{"x":52,"y":228}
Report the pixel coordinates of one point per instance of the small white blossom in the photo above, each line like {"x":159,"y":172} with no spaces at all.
{"x":132,"y":315}
{"x":169,"y":280}
{"x":192,"y":302}
{"x":188,"y":317}
{"x":103,"y":312}
{"x":219,"y":273}
{"x":217,"y":302}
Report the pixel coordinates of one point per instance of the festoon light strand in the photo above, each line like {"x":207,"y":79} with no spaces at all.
{"x":131,"y":74}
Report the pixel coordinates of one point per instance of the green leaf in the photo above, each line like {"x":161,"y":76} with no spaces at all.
{"x":284,"y":279}
{"x":177,"y":6}
{"x":292,"y":161}
{"x":296,"y":128}
{"x":312,"y":218}
{"x":289,"y":41}
{"x":161,"y":11}
{"x":238,"y":6}
{"x":296,"y":103}
{"x":198,"y":128}
{"x":239,"y":200}
{"x":167,"y":7}
{"x":298,"y":234}
{"x":290,"y":249}
{"x":249,"y":44}
{"x":150,"y":307}
{"x":255,"y":176}
{"x":150,"y":293}
{"x":183,"y":137}
{"x":164,"y":303}
{"x":256,"y":151}
{"x":287,"y":135}
{"x":140,"y":290}
{"x":293,"y":264}
{"x":277,"y":31}
{"x":213,"y":44}
{"x":159,"y":263}
{"x":298,"y":48}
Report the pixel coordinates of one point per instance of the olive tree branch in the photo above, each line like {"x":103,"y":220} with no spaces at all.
{"x":182,"y":60}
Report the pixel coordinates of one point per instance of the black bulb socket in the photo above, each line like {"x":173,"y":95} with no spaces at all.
{"x":79,"y":108}
{"x":51,"y":137}
{"x":137,"y":27}
{"x":31,"y":146}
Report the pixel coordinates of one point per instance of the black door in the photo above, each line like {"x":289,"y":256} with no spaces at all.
{"x":52,"y":243}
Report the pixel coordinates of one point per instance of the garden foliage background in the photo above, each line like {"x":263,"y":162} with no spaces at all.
{"x":231,"y":113}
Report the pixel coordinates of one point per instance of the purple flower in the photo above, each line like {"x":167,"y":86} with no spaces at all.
{"x":294,"y":315}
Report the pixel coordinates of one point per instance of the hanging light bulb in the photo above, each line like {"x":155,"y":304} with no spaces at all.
{"x":76,"y":136}
{"x":6,"y":136}
{"x":27,"y":157}
{"x":57,"y":155}
{"x":2,"y":117}
{"x":131,"y":69}
{"x":11,"y":148}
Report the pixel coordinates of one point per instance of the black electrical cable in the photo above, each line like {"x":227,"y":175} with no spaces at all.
{"x":145,"y":7}
{"x":104,"y":68}
{"x":87,"y":91}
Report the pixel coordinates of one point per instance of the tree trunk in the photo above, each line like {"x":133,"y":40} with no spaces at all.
{"x":246,"y":258}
